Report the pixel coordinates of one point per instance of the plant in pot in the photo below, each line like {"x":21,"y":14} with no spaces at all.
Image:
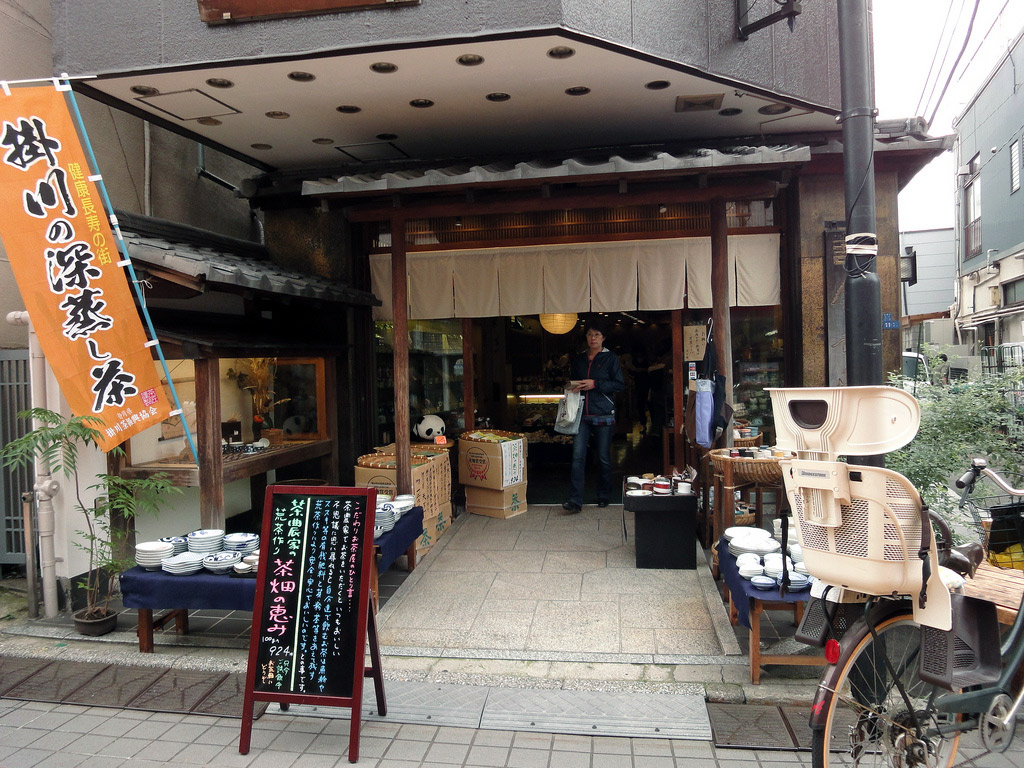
{"x":256,"y":374}
{"x":58,"y":440}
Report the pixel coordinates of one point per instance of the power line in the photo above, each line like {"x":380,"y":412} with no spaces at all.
{"x":967,"y":38}
{"x":935,"y":57}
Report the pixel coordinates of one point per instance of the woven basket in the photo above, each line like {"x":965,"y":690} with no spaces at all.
{"x":749,"y":442}
{"x":745,"y":470}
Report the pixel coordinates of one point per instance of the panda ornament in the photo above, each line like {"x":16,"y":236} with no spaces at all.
{"x":429,"y":427}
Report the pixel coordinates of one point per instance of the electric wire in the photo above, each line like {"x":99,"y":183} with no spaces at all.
{"x":948,"y":42}
{"x":967,"y":38}
{"x":935,"y":57}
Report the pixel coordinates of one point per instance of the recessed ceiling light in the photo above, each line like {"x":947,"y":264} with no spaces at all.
{"x":498,"y":96}
{"x":302,"y":77}
{"x":421,"y":103}
{"x":384,"y":67}
{"x":220,"y":82}
{"x":561,"y":52}
{"x":578,"y":90}
{"x":261,"y":146}
{"x":774,"y":109}
{"x":144,"y":90}
{"x":276,"y":114}
{"x":209,"y":121}
{"x":387,"y":136}
{"x":657,"y":85}
{"x":470,"y":59}
{"x":323,"y":141}
{"x":730,"y":111}
{"x":349,"y":109}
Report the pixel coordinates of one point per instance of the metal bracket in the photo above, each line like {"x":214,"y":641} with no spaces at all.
{"x":789,"y":10}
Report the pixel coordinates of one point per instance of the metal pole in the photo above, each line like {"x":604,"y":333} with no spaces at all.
{"x":30,"y":555}
{"x":863,"y":291}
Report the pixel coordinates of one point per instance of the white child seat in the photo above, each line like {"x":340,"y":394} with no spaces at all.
{"x":859,"y":526}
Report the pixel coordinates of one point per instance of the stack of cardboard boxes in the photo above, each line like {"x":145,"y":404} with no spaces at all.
{"x":492,"y":466}
{"x":431,"y":485}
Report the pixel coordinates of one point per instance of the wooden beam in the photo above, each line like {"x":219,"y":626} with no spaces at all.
{"x":678,"y":387}
{"x":530,"y":202}
{"x":468,"y":404}
{"x":400,"y":307}
{"x":720,"y":309}
{"x":208,"y":439}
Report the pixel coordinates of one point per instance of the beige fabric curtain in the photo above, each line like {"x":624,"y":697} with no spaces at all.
{"x":588,"y":277}
{"x":567,"y":276}
{"x":758,"y":282}
{"x":476,"y":283}
{"x":613,"y":277}
{"x":431,"y":286}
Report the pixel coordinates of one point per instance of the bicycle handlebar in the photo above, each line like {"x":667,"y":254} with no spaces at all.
{"x":966,"y":479}
{"x":978,"y":468}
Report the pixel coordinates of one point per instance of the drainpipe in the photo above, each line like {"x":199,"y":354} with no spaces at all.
{"x":46,"y":487}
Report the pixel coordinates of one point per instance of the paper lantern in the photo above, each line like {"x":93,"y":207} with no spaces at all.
{"x":558,"y":324}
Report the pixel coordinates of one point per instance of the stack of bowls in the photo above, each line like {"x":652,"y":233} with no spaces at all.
{"x":184,"y":564}
{"x":249,"y":563}
{"x":244,"y":543}
{"x":386,"y":517}
{"x":148,"y":554}
{"x":180,"y":543}
{"x":751,"y":539}
{"x":773,"y":565}
{"x":749,"y":565}
{"x":206,"y":542}
{"x":221,"y":562}
{"x":404,"y":502}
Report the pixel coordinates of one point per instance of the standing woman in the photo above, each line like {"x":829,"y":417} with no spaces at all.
{"x":598,"y":375}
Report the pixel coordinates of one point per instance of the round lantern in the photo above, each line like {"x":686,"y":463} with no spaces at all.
{"x":559,"y":323}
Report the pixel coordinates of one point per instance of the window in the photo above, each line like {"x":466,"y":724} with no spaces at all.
{"x":1015,"y":165}
{"x":1013,"y":293}
{"x":972,"y":210}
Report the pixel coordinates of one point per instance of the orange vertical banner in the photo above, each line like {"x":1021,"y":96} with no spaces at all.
{"x":67,"y":265}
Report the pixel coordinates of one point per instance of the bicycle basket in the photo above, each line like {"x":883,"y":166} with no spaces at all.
{"x":999,"y":521}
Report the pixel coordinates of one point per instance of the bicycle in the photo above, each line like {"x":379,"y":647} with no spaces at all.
{"x":908,"y":672}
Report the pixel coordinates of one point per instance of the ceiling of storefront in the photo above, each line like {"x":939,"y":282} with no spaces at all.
{"x":285,"y":114}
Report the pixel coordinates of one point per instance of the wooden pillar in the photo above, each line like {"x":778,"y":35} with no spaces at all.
{"x":208,"y":440}
{"x":400,"y":305}
{"x":468,"y":404}
{"x":679,"y":382}
{"x":720,"y":294}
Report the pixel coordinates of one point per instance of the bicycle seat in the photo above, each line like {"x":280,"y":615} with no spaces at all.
{"x":963,"y":559}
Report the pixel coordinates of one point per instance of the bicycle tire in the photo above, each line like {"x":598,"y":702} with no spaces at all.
{"x":864,"y":707}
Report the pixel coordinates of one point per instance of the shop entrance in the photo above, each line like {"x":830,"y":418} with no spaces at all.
{"x":520,"y":366}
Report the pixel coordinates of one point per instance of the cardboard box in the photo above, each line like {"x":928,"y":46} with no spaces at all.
{"x":503,"y":502}
{"x":428,"y":475}
{"x":434,"y":527}
{"x":492,"y":465}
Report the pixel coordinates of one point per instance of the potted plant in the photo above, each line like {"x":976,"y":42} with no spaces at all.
{"x":256,"y":374}
{"x":58,"y":441}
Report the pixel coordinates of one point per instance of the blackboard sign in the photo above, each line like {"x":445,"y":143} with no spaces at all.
{"x":310,"y":617}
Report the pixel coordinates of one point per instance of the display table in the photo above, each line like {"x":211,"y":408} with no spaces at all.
{"x":746,"y":603}
{"x":665,"y":529}
{"x":400,"y":540}
{"x":147,"y":591}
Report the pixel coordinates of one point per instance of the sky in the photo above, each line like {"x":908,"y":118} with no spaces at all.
{"x":907,"y":34}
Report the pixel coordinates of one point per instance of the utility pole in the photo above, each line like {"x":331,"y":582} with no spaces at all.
{"x":863,"y":291}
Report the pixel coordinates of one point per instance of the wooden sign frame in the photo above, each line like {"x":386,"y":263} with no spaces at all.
{"x":288,"y":527}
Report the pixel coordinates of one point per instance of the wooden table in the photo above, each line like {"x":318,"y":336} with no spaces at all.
{"x":1002,"y":586}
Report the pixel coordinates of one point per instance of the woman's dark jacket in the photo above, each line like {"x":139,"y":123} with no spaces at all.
{"x":606,"y":372}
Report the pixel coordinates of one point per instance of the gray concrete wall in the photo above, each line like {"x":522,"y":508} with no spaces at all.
{"x":89,"y":35}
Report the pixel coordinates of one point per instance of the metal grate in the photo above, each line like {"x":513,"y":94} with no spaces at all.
{"x":15,"y":396}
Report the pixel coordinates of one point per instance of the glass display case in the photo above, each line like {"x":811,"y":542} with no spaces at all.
{"x":435,"y":373}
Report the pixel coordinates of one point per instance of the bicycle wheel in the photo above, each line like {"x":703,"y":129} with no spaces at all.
{"x":867,"y":721}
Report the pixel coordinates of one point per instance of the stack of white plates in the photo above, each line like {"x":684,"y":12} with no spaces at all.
{"x":222,"y":562}
{"x":797,"y":581}
{"x":148,"y":554}
{"x":404,"y":502}
{"x":746,"y":530}
{"x":800,"y":567}
{"x":796,"y":552}
{"x":748,"y":558}
{"x":184,"y":564}
{"x":242,"y":542}
{"x":385,"y":517}
{"x":180,"y":543}
{"x":378,"y":531}
{"x":205,"y":542}
{"x":773,"y":565}
{"x":757,"y":541}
